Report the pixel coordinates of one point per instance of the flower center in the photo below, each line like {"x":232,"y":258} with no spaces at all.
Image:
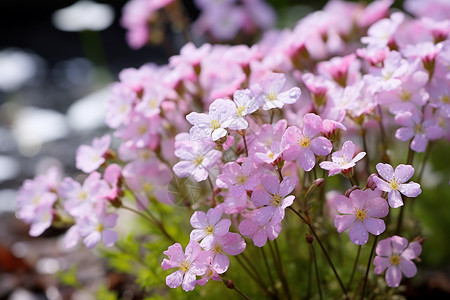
{"x":276,"y":200}
{"x":304,"y":141}
{"x":99,"y":227}
{"x":394,"y":260}
{"x":405,"y":96}
{"x":147,"y":187}
{"x":240,"y":110}
{"x":82,"y":195}
{"x":198,"y":160}
{"x":184,"y":266}
{"x":393,"y":184}
{"x":153,"y":103}
{"x":445,"y":99}
{"x":272,"y":96}
{"x":241,"y":179}
{"x":270,"y":155}
{"x":360,"y":214}
{"x":209,"y":229}
{"x":215,"y":124}
{"x":218,"y":249}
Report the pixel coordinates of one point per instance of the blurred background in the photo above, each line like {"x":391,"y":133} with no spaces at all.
{"x":54,"y":81}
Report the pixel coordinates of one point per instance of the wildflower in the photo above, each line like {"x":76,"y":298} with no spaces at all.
{"x":259,"y":234}
{"x":273,"y":199}
{"x":230,"y":243}
{"x":302,"y":145}
{"x":213,"y":124}
{"x":90,"y":158}
{"x":238,"y":178}
{"x":269,"y":95}
{"x":208,"y":226}
{"x":197,"y":158}
{"x":342,"y":160}
{"x":395,"y":255}
{"x":394,"y":183}
{"x":361,"y":212}
{"x":420,"y":131}
{"x":95,"y":227}
{"x":190,"y":264}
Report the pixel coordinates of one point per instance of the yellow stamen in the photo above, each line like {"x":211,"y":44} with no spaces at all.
{"x":209,"y":229}
{"x":445,"y":99}
{"x":272,"y":96}
{"x":241,"y":179}
{"x":394,"y":260}
{"x":393,"y":184}
{"x":99,"y":227}
{"x":184,"y":266}
{"x":405,"y":96}
{"x":276,"y":200}
{"x":198,"y":160}
{"x":304,"y":141}
{"x":240,"y":110}
{"x":360,"y":214}
{"x":215,"y":124}
{"x":218,"y":249}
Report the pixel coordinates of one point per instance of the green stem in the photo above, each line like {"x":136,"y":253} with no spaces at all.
{"x":283,"y":275}
{"x":245,"y":143}
{"x":213,"y":204}
{"x":256,"y":272}
{"x":344,"y":291}
{"x":317,"y":272}
{"x":354,"y":268}
{"x":272,"y":282}
{"x":410,"y":158}
{"x":368,"y":267}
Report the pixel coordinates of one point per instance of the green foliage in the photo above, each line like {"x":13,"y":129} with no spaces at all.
{"x":69,"y":277}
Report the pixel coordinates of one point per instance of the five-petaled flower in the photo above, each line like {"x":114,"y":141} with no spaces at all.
{"x":395,"y":255}
{"x":361,"y":212}
{"x":395,"y":183}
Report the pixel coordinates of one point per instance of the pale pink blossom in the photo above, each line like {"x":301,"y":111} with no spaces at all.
{"x":90,"y":158}
{"x":208,"y":226}
{"x":395,"y":255}
{"x":343,"y":159}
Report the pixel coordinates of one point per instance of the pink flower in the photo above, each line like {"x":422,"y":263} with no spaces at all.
{"x":420,"y":131}
{"x":208,"y":226}
{"x":395,"y":183}
{"x":258,"y":233}
{"x":272,"y":200}
{"x":221,"y":112}
{"x":302,"y":145}
{"x":197,"y":158}
{"x":190,"y":264}
{"x":361,"y":212}
{"x":395,"y":255}
{"x":232,"y":244}
{"x":268,"y":92}
{"x":80,"y":199}
{"x":238,"y":178}
{"x":343,"y":159}
{"x":94,"y":228}
{"x":90,"y":158}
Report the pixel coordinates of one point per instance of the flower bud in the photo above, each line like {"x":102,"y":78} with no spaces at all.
{"x":370,"y":183}
{"x":350,"y":190}
{"x":309,"y":239}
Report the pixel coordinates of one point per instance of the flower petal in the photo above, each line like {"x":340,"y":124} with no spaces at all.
{"x":407,"y":267}
{"x":358,"y":233}
{"x":395,"y":199}
{"x":393,"y":276}
{"x":410,"y":189}
{"x":403,"y":173}
{"x":343,"y":222}
{"x":385,"y":170}
{"x":175,"y":279}
{"x":343,"y":204}
{"x":374,"y":226}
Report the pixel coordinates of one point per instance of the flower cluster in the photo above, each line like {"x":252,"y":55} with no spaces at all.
{"x":254,"y":128}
